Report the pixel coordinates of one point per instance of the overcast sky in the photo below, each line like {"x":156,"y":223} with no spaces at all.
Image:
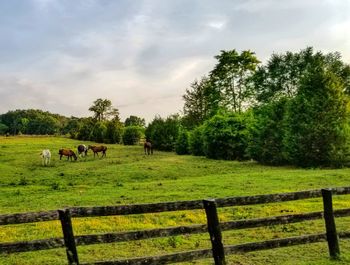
{"x":61,"y":55}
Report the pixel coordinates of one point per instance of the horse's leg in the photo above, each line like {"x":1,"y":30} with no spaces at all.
{"x":60,"y":157}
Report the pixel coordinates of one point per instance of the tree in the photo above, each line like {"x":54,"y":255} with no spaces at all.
{"x":226,"y":136}
{"x":132,"y":135}
{"x":318,"y":118}
{"x":103,"y":110}
{"x":281,"y":76}
{"x":113,"y":132}
{"x":163,"y":132}
{"x":134,"y":121}
{"x":181,"y":145}
{"x":201,"y":102}
{"x":267,"y":133}
{"x":231,"y":77}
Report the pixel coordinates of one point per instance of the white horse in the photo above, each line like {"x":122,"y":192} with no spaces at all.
{"x":46,"y":157}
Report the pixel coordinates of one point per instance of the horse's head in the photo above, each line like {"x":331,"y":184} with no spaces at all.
{"x":74,"y":155}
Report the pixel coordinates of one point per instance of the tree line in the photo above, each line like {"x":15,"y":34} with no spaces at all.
{"x":104,"y":126}
{"x":291,"y":110}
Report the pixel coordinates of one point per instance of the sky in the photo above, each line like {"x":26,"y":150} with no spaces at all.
{"x":61,"y":55}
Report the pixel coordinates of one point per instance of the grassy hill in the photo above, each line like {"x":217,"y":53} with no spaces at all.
{"x":127,"y":176}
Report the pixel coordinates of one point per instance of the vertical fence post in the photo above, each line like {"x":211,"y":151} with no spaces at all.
{"x":214,"y":231}
{"x":331,"y":231}
{"x":71,"y":250}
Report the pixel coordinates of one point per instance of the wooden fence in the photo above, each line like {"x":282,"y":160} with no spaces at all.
{"x":213,"y":227}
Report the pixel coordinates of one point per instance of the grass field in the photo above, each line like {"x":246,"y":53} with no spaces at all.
{"x":128,"y":176}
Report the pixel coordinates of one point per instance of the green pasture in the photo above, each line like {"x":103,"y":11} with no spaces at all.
{"x":127,"y":176}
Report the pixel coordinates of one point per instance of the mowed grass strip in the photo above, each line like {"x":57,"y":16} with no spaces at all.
{"x":127,"y":176}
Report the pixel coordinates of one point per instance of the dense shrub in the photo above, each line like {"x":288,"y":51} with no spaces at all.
{"x":226,"y":136}
{"x":98,"y":132}
{"x":113,"y":132}
{"x":318,"y":120}
{"x":181,"y":146}
{"x":196,"y":141}
{"x":163,"y":132}
{"x":132,"y":135}
{"x":266,"y":135}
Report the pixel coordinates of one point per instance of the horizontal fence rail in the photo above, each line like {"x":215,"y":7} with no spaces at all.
{"x":20,"y":218}
{"x":164,"y":232}
{"x":70,"y":241}
{"x":234,"y":249}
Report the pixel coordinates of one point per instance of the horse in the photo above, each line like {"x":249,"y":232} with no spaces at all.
{"x":147,"y":146}
{"x":46,"y":157}
{"x":82,"y":150}
{"x":67,"y":152}
{"x":98,"y":148}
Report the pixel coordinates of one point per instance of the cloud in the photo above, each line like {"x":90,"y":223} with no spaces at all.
{"x":62,"y":55}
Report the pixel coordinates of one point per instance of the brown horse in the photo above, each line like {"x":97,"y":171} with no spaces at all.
{"x":98,"y":148}
{"x":147,"y":146}
{"x":67,"y":152}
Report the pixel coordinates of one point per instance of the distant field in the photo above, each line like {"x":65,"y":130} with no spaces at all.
{"x":128,"y":176}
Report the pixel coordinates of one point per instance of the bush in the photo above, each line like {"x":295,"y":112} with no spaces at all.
{"x":163,"y":133}
{"x":318,"y":120}
{"x":114,"y":132}
{"x":132,"y":135}
{"x":267,"y":132}
{"x":181,"y":146}
{"x":226,"y":136}
{"x":196,"y":141}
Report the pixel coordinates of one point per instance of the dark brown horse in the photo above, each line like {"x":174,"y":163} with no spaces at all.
{"x":98,"y":148}
{"x":67,"y":152}
{"x":147,"y":146}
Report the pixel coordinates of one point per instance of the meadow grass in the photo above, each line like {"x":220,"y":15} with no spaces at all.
{"x":127,"y":176}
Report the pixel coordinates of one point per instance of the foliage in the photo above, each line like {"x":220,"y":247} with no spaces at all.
{"x":181,"y":145}
{"x":318,"y":119}
{"x":114,"y":132}
{"x":231,"y":77}
{"x":267,"y":132}
{"x":163,"y":132}
{"x":3,"y":128}
{"x":134,"y":121}
{"x":226,"y":136}
{"x":103,"y":110}
{"x":201,"y":102}
{"x":33,"y":122}
{"x":132,"y":135}
{"x":282,"y":74}
{"x":196,"y":141}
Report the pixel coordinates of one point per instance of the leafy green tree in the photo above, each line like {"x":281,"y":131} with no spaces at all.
{"x":318,"y":119}
{"x":196,"y":141}
{"x":267,"y":133}
{"x":114,"y":132}
{"x":163,"y":132}
{"x":181,"y":145}
{"x":103,"y":110}
{"x":134,"y":121}
{"x":3,"y":128}
{"x":226,"y":136}
{"x":132,"y":135}
{"x":231,"y":76}
{"x":281,"y":76}
{"x":201,"y":102}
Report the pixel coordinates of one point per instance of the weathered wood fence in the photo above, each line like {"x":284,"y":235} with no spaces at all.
{"x":213,"y":227}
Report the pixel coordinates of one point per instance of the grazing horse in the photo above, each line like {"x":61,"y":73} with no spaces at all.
{"x":98,"y":148}
{"x":67,"y":152}
{"x":82,"y":150}
{"x":46,"y":157}
{"x":147,"y":146}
